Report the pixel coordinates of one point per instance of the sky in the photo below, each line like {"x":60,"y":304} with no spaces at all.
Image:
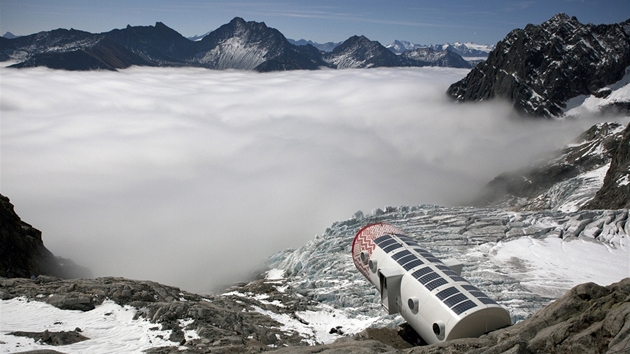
{"x":417,"y":21}
{"x":194,"y":177}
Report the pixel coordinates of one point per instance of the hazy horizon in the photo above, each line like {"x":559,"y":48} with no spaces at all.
{"x":193,"y":177}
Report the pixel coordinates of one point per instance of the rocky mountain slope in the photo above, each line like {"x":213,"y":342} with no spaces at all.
{"x":238,"y":45}
{"x":540,"y":68}
{"x":570,"y":178}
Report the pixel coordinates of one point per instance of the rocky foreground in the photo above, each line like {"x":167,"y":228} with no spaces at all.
{"x":587,"y":319}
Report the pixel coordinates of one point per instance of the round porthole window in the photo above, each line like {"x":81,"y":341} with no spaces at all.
{"x":373,"y":266}
{"x":365,"y":257}
{"x":438,"y":329}
{"x":413,"y":304}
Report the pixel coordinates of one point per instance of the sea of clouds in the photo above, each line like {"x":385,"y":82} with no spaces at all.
{"x":193,"y":177}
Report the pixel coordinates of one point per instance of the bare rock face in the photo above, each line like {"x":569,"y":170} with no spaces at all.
{"x":22,"y":251}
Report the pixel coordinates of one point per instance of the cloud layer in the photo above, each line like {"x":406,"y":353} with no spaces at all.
{"x":194,"y":177}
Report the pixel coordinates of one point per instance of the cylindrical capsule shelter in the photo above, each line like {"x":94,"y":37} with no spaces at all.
{"x":428,"y":292}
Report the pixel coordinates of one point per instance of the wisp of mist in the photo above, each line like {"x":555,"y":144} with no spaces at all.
{"x":193,"y":177}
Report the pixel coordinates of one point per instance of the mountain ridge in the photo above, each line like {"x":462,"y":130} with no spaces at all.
{"x":239,"y":44}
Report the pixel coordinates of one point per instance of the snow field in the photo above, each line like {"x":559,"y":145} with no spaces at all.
{"x":550,"y":266}
{"x":110,"y":327}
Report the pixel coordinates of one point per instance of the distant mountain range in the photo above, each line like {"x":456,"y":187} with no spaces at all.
{"x":465,"y":50}
{"x":236,"y":45}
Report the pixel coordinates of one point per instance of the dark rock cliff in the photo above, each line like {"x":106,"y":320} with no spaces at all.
{"x":22,"y":251}
{"x":615,"y":193}
{"x":540,"y":68}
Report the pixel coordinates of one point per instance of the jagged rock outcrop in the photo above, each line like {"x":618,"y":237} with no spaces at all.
{"x":570,"y":178}
{"x":615,"y":193}
{"x":22,"y":251}
{"x":540,"y":68}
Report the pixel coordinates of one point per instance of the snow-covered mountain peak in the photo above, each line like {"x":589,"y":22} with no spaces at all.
{"x":539,"y":68}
